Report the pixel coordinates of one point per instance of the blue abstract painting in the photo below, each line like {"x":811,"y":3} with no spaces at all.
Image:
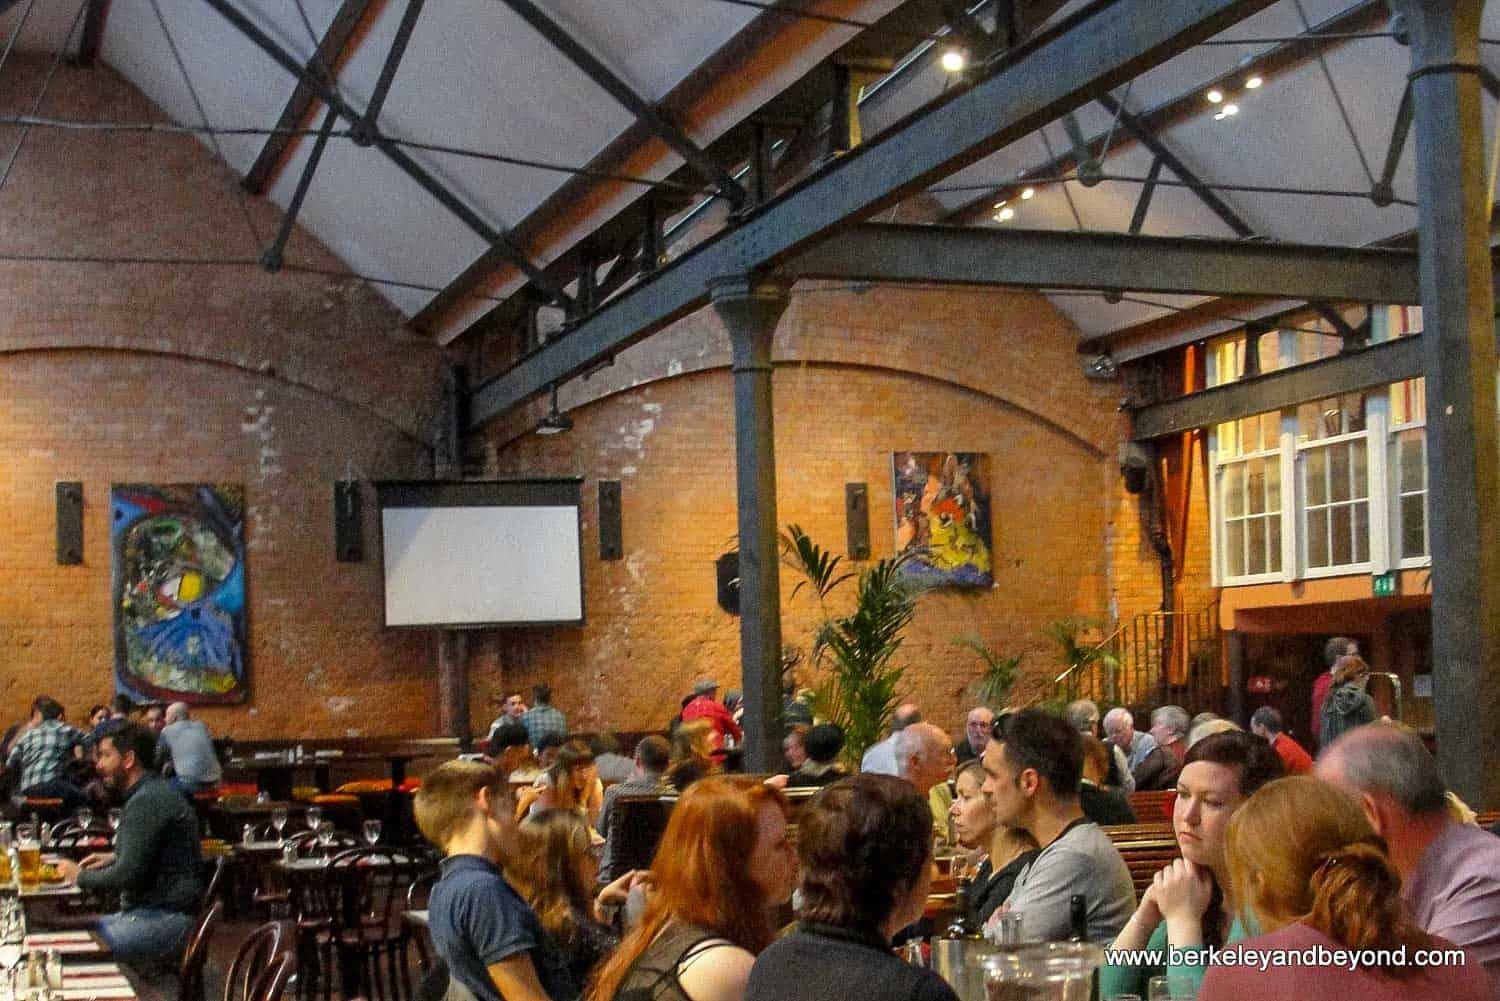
{"x":179,"y":592}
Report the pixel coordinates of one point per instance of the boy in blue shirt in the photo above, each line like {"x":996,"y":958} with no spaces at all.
{"x":491,"y":940}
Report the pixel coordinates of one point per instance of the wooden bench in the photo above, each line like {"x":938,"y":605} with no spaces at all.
{"x":1489,"y":818}
{"x":1152,"y":806}
{"x":1146,"y":849}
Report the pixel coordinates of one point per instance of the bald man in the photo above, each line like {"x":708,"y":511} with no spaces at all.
{"x":185,"y":744}
{"x":1450,"y":872}
{"x":881,"y":757}
{"x":977,"y":727}
{"x":924,"y":755}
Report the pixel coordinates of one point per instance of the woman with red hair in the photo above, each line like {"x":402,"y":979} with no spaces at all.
{"x":723,"y":864}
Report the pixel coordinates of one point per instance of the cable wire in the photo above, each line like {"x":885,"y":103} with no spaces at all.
{"x":36,"y":105}
{"x":1338,"y":99}
{"x":240,"y":196}
{"x":1052,"y":158}
{"x":16,"y":32}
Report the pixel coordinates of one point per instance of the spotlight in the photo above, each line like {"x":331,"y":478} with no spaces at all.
{"x":1028,"y":194}
{"x":953,"y":61}
{"x":1253,"y":83}
{"x":1214,"y":96}
{"x":1006,"y":215}
{"x":554,"y":422}
{"x":1001,"y":203}
{"x":1231,"y":109}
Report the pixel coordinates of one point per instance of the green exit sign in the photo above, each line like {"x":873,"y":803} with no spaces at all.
{"x":1386,"y":584}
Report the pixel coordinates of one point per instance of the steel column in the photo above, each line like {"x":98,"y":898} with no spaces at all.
{"x":1458,"y":306}
{"x":750,"y":308}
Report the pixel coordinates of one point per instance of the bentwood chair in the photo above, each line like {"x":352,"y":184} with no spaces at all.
{"x":196,"y":954}
{"x":256,"y":958}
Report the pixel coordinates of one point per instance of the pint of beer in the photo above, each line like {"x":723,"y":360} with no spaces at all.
{"x":30,"y":853}
{"x":5,"y":874}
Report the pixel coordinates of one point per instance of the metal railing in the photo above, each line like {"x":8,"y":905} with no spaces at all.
{"x":1134,"y":669}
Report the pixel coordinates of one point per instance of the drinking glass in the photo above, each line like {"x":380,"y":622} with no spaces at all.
{"x":29,"y":850}
{"x":85,"y":818}
{"x":1049,"y":971}
{"x":325,"y":836}
{"x":1165,"y":988}
{"x":314,"y":817}
{"x":372,"y":832}
{"x":278,"y":821}
{"x":114,"y":815}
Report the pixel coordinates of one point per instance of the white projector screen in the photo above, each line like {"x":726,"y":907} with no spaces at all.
{"x":481,"y":554}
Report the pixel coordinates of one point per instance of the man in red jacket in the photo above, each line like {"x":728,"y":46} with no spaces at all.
{"x":1265,"y":722}
{"x":706,"y":705}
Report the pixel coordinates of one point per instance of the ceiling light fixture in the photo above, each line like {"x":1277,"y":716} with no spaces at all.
{"x":1214,"y":96}
{"x":1006,"y":215}
{"x":954,"y":61}
{"x":1253,"y":83}
{"x":1028,"y":194}
{"x":554,"y":422}
{"x":1231,"y":109}
{"x":1001,"y":203}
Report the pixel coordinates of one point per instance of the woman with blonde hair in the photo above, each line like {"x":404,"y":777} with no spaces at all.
{"x":724,"y":862}
{"x":555,"y":871}
{"x":1307,"y":866}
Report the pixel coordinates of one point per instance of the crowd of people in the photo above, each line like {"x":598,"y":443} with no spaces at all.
{"x":1359,"y":848}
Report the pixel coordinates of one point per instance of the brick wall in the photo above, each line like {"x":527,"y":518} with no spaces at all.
{"x":126,"y":373}
{"x":859,"y":375}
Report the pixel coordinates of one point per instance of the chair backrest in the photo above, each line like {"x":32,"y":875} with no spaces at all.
{"x":273,"y":980}
{"x":636,"y":825}
{"x":255,"y":958}
{"x":215,"y":880}
{"x":196,"y":953}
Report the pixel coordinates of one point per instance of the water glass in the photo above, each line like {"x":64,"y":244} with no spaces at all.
{"x":1047,"y":971}
{"x":1166,"y":988}
{"x":85,"y":818}
{"x":372,"y":832}
{"x":114,"y":815}
{"x":325,"y":836}
{"x":278,"y":821}
{"x":314,"y":817}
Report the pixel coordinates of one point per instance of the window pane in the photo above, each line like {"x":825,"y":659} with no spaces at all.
{"x":1361,"y":532}
{"x":1270,"y":429}
{"x":1273,"y":483}
{"x":1308,"y":418}
{"x":1234,"y":549}
{"x":1255,"y":485}
{"x":1341,"y":532}
{"x":1234,"y":490}
{"x":1338,"y":473}
{"x":1353,"y":406}
{"x":1249,"y":435}
{"x":1255,"y":530}
{"x":1413,"y":526}
{"x":1359,"y":478}
{"x":1317,"y":476}
{"x":1229,"y":440}
{"x":1410,"y":458}
{"x":1317,"y":538}
{"x":1273,"y":544}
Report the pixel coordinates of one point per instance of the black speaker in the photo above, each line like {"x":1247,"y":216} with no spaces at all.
{"x":611,"y":532}
{"x":857,"y":520}
{"x":348,"y":534}
{"x":727,"y":569}
{"x":69,"y":522}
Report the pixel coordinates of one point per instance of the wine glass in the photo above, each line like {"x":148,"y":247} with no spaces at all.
{"x":85,"y":819}
{"x":314,"y":817}
{"x":325,"y":836}
{"x":372,"y":832}
{"x":114,"y":815}
{"x":278,"y":821}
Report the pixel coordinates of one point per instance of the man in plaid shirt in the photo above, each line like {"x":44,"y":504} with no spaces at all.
{"x":42,"y":754}
{"x":541,"y":719}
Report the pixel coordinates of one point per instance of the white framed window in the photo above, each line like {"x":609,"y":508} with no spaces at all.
{"x":1335,"y":494}
{"x":1406,"y":448}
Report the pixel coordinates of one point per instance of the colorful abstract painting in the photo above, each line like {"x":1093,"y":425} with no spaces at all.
{"x":943,"y":517}
{"x":179,"y":591}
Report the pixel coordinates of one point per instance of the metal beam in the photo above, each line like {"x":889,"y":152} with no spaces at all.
{"x":1100,"y":46}
{"x":660,"y":125}
{"x":1350,"y":372}
{"x":1070,"y":260}
{"x":330,"y":50}
{"x":496,"y":237}
{"x":1459,"y":361}
{"x":364,"y":129}
{"x":1363,"y":16}
{"x":93,"y":32}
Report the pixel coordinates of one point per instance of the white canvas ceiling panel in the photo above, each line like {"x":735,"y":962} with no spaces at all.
{"x":238,"y":85}
{"x":1094,"y":316}
{"x":657,"y":43}
{"x":46,"y":25}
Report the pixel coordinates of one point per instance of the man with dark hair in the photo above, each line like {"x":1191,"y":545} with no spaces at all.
{"x":41,"y":755}
{"x":1334,"y":650}
{"x":652,"y":755}
{"x":1265,"y":723}
{"x":1032,"y":772}
{"x":542,"y":719}
{"x":823,"y":744}
{"x":1450,"y":872}
{"x":155,"y":866}
{"x":866,"y":849}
